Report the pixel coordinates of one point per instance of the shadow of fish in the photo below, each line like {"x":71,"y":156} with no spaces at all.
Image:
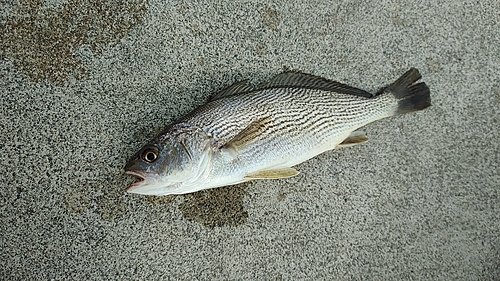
{"x":243,"y":133}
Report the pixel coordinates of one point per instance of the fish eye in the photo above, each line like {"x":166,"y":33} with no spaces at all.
{"x":150,"y":154}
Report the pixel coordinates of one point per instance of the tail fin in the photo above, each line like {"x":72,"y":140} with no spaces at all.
{"x":412,"y":97}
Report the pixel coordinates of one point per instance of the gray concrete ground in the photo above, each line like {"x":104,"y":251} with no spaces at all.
{"x":85,"y":83}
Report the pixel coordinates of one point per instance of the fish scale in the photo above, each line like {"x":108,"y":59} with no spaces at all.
{"x":328,"y":112}
{"x":244,"y":134}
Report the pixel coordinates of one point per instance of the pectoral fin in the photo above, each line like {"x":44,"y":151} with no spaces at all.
{"x":248,"y":135}
{"x":354,"y":138}
{"x":273,"y":174}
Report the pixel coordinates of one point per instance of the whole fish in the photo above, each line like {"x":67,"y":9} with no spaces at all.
{"x":243,"y":133}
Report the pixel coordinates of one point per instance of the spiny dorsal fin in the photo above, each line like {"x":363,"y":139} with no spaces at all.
{"x":303,"y":80}
{"x":273,"y":174}
{"x":236,"y":88}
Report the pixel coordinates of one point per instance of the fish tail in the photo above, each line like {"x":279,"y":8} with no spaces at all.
{"x":410,"y":96}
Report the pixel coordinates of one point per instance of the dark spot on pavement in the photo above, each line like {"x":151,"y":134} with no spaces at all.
{"x":260,"y":49}
{"x":42,"y":41}
{"x":216,"y":207}
{"x":433,"y":65}
{"x":158,"y":200}
{"x":398,"y":21}
{"x":271,"y":18}
{"x":496,"y":94}
{"x":76,"y":201}
{"x":111,"y":206}
{"x":281,"y":196}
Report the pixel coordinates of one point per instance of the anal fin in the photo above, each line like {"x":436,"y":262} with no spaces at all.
{"x":354,"y":138}
{"x":273,"y":174}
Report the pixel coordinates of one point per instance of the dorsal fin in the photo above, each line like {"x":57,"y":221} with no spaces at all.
{"x":236,"y":88}
{"x":303,"y":80}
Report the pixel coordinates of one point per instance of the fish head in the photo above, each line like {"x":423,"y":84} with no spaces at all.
{"x":167,"y":164}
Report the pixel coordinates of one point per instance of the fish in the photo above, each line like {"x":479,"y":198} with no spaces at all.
{"x":244,"y":133}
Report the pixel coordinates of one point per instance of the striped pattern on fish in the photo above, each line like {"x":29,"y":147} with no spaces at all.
{"x":244,"y":134}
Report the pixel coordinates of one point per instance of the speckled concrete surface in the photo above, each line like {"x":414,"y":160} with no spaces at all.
{"x":85,"y":83}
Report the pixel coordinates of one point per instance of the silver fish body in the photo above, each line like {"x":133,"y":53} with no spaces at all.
{"x":244,"y":134}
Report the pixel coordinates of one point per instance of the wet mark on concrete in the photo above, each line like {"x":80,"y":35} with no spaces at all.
{"x":111,"y":206}
{"x":471,"y":110}
{"x":42,"y":41}
{"x":433,"y":65}
{"x":271,"y":18}
{"x":496,"y":93}
{"x":260,"y":49}
{"x":158,"y":200}
{"x":201,"y":61}
{"x":216,"y":207}
{"x":77,"y":201}
{"x":281,"y":196}
{"x":398,"y":21}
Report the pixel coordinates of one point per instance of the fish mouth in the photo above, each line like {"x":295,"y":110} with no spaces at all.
{"x":141,"y":177}
{"x":148,"y":183}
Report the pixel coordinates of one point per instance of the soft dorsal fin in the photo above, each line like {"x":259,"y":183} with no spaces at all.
{"x":236,"y":88}
{"x":303,"y":80}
